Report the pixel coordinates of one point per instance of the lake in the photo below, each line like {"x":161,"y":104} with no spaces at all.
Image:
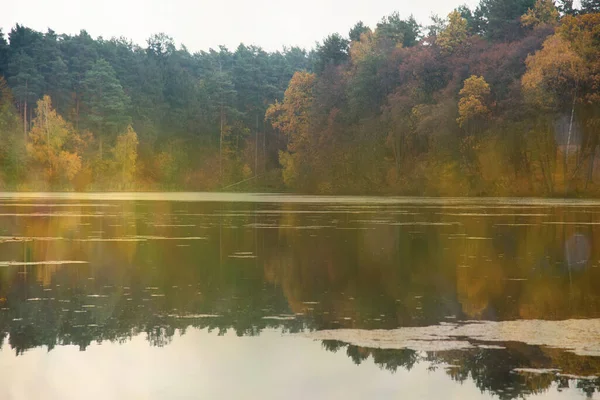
{"x":181,"y":295}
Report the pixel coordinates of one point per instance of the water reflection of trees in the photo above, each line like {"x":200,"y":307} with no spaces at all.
{"x":492,"y":370}
{"x":349,"y":270}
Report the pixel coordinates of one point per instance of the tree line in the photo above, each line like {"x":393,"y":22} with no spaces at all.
{"x":83,"y":113}
{"x":497,"y":100}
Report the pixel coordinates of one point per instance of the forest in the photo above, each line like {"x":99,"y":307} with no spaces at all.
{"x":502,"y":99}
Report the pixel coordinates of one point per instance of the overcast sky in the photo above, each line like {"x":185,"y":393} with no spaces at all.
{"x":201,"y":24}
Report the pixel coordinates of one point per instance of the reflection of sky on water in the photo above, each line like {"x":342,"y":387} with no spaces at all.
{"x":206,"y":366}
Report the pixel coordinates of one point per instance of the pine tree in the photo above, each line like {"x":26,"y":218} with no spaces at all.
{"x":105,"y":101}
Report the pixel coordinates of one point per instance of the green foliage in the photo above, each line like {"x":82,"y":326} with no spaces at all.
{"x":398,"y":31}
{"x":473,"y":18}
{"x":544,"y":12}
{"x":106,"y":102}
{"x":454,"y":34}
{"x":12,"y":149}
{"x":357,"y":30}
{"x":380,"y":112}
{"x":24,"y":79}
{"x":501,"y":18}
{"x":333,"y":52}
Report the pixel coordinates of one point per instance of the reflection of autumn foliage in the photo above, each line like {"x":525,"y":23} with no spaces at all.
{"x":372,"y":268}
{"x":475,"y":288}
{"x":491,"y":267}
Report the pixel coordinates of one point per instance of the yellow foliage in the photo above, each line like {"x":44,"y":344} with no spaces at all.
{"x":583,"y":33}
{"x":360,"y":50}
{"x":125,"y":155}
{"x":292,"y":116}
{"x":554,"y":69}
{"x":51,"y":144}
{"x":246,"y":171}
{"x":455,"y":33}
{"x":543,"y":12}
{"x":290,"y":172}
{"x":472,"y":101}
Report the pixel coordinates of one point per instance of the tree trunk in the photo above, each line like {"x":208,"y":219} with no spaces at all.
{"x":221,"y":149}
{"x":590,"y":176}
{"x":566,"y":160}
{"x":25,"y":119}
{"x":256,"y":147}
{"x":77,"y":112}
{"x":25,"y":111}
{"x":221,"y":131}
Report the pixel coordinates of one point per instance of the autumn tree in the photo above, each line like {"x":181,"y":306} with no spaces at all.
{"x":52,"y":145}
{"x":544,"y":12}
{"x":364,"y":91}
{"x":292,"y":119}
{"x":553,"y":72}
{"x":582,"y":33}
{"x":125,"y":158}
{"x":454,"y":33}
{"x":552,"y":81}
{"x":473,"y":100}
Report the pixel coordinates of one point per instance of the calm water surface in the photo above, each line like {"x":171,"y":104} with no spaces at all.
{"x":178,"y":296}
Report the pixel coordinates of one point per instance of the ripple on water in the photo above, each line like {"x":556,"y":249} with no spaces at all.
{"x":194,"y":316}
{"x":48,"y":262}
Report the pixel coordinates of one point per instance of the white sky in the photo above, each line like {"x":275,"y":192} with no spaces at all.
{"x":204,"y":24}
